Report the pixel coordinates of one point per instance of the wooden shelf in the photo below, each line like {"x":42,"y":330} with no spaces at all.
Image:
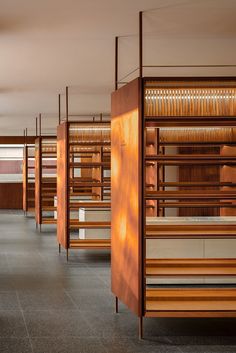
{"x":190,"y":231}
{"x":181,"y":300}
{"x":90,"y":244}
{"x":190,"y":194}
{"x":89,"y":225}
{"x":48,"y":221}
{"x":187,"y":121}
{"x":93,"y":204}
{"x":190,"y":267}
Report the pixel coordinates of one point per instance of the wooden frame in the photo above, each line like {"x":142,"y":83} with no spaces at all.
{"x":83,"y":155}
{"x":136,"y":113}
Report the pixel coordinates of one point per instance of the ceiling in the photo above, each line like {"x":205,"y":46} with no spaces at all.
{"x":48,"y":44}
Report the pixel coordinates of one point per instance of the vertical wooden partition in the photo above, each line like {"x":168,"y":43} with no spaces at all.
{"x":126,"y":238}
{"x":161,"y":129}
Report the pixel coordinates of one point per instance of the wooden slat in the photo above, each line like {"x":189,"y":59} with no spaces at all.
{"x":190,"y":194}
{"x":191,"y":300}
{"x":94,"y":204}
{"x":89,"y":225}
{"x":190,"y":267}
{"x":48,"y":220}
{"x":189,"y":121}
{"x":190,"y":231}
{"x":90,"y":244}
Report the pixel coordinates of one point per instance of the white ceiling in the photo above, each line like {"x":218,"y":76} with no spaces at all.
{"x":48,"y":44}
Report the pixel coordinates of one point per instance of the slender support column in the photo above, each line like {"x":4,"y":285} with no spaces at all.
{"x":40,"y":124}
{"x":140,"y":327}
{"x":59,"y":248}
{"x":116,"y":305}
{"x":140,"y":44}
{"x":116,"y":62}
{"x":36,"y":225}
{"x":67,"y":254}
{"x":59,"y":109}
{"x":67,"y":103}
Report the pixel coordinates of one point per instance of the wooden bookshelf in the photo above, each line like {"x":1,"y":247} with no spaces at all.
{"x":182,"y":128}
{"x":83,"y":185}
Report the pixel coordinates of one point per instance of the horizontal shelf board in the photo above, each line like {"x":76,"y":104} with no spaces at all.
{"x":191,"y":299}
{"x":191,"y":162}
{"x":49,"y":221}
{"x":89,"y":143}
{"x":197,"y":144}
{"x":89,"y":165}
{"x":87,"y":184}
{"x":90,"y":243}
{"x":196,"y":184}
{"x":196,"y":204}
{"x":190,"y":267}
{"x":194,"y":157}
{"x":75,"y":205}
{"x":49,"y":208}
{"x":175,"y":121}
{"x":89,"y":225}
{"x":190,"y":194}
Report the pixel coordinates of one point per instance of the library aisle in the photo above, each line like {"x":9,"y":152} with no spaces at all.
{"x":50,"y":306}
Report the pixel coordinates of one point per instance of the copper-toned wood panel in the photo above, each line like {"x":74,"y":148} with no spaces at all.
{"x":62,"y":185}
{"x":11,"y":196}
{"x":38,"y":177}
{"x":126,"y":161}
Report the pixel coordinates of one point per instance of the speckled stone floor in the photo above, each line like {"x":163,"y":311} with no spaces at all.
{"x":50,"y":306}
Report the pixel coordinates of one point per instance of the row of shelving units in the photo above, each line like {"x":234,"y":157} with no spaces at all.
{"x":83,"y":182}
{"x":173,"y":234}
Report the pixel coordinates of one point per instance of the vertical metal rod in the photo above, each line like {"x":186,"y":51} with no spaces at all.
{"x":116,"y":62}
{"x":36,"y":125}
{"x":59,"y":248}
{"x":140,"y":327}
{"x":116,"y":306}
{"x":40,"y":122}
{"x":67,"y":254}
{"x":59,"y":109}
{"x":67,"y":103}
{"x":141,"y":44}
